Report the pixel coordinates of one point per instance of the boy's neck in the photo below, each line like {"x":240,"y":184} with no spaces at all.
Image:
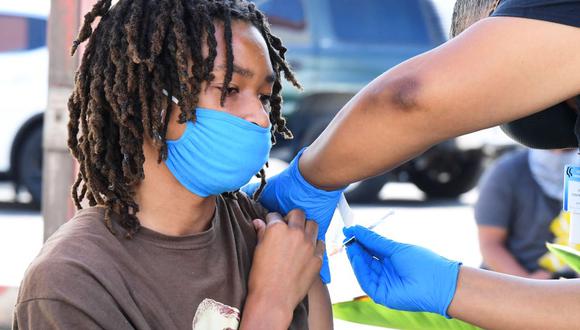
{"x":174,"y":215}
{"x":165,"y":206}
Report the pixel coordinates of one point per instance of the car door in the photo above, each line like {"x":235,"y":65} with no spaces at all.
{"x":24,"y":78}
{"x":363,"y":38}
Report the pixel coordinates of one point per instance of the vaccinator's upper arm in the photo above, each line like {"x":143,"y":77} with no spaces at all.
{"x":499,"y":69}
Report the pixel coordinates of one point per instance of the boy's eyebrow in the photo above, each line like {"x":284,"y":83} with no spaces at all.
{"x":247,"y":73}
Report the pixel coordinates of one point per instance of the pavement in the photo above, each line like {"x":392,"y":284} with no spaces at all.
{"x":20,"y":242}
{"x":7,"y":299}
{"x":21,"y":231}
{"x":447,"y":227}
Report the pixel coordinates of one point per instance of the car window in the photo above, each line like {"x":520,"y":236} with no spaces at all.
{"x":284,"y":13}
{"x":287,"y":19}
{"x":379,"y":21}
{"x":21,"y":33}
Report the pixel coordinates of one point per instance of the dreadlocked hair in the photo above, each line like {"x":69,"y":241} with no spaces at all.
{"x":468,"y":12}
{"x":138,"y":50}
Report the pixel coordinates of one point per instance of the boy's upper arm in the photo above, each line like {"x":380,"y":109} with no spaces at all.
{"x":319,"y":306}
{"x":500,"y":69}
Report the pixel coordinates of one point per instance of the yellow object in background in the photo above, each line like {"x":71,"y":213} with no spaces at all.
{"x":560,"y":227}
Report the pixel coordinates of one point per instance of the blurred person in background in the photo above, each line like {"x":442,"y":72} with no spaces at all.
{"x":519,"y":210}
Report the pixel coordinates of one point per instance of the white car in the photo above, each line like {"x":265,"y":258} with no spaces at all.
{"x":23,"y":91}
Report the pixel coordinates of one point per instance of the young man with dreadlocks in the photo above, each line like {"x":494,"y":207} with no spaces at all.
{"x":175,"y":107}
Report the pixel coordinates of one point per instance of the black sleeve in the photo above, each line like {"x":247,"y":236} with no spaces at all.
{"x":558,"y":11}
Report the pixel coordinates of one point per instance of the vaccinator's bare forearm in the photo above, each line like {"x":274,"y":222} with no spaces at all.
{"x":498,"y":301}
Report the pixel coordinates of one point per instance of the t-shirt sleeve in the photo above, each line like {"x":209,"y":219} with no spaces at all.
{"x":496,"y":199}
{"x":51,"y":314}
{"x":57,"y":293}
{"x":255,"y":209}
{"x":558,"y":11}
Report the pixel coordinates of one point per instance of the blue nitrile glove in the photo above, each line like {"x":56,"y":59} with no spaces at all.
{"x":401,"y":276}
{"x":289,"y":190}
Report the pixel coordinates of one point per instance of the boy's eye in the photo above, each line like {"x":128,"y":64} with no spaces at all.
{"x":231,"y":90}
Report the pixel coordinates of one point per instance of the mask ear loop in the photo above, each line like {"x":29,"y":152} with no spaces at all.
{"x":166,"y":93}
{"x":162,"y":115}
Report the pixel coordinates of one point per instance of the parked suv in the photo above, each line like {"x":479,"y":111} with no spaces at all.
{"x":23,"y":92}
{"x":338,"y":46}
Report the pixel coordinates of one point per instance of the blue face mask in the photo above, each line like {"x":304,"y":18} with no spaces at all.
{"x":218,"y":153}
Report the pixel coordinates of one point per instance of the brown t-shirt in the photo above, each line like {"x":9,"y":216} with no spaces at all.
{"x":87,"y":278}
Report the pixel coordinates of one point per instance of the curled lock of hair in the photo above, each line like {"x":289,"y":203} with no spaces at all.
{"x":138,"y":49}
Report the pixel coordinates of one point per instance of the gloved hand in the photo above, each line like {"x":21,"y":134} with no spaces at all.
{"x":401,"y":276}
{"x":289,"y":190}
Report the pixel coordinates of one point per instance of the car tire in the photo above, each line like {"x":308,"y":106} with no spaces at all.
{"x":459,"y":176}
{"x":29,"y":163}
